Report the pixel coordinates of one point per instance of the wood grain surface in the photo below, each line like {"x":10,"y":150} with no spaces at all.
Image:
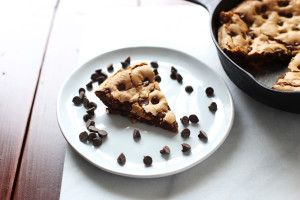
{"x":24,"y":31}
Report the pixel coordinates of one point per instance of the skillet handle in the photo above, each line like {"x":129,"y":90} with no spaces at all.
{"x":210,"y":5}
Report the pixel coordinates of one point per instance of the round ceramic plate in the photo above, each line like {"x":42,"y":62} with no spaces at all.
{"x":120,"y":129}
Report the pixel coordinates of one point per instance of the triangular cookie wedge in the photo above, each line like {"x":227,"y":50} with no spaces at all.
{"x":134,"y":93}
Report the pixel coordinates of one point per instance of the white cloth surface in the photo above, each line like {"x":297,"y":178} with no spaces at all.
{"x":260,"y":159}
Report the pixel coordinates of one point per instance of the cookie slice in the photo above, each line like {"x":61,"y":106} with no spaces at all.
{"x":134,"y":93}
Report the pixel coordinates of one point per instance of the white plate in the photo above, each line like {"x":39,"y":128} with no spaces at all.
{"x":120,"y":129}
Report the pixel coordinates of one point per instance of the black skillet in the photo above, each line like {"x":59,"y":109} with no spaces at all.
{"x":257,"y":87}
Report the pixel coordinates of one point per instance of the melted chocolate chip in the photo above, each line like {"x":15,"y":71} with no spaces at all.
{"x":280,"y":23}
{"x":165,"y":150}
{"x":126,"y":106}
{"x":147,"y":161}
{"x":287,"y":15}
{"x":146,"y":82}
{"x":121,"y":87}
{"x":242,"y":16}
{"x":289,"y":47}
{"x":143,"y":102}
{"x":121,"y":159}
{"x":251,"y":35}
{"x":154,"y":100}
{"x":105,"y":91}
{"x":249,"y":49}
{"x":160,"y":114}
{"x":185,"y":120}
{"x":283,"y":3}
{"x":296,"y":44}
{"x":279,"y":51}
{"x":231,"y":33}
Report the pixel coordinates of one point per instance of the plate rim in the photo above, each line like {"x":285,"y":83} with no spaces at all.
{"x":153,"y":175}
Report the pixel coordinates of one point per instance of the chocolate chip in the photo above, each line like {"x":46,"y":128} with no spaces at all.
{"x":126,"y":106}
{"x":251,"y":35}
{"x":110,"y":68}
{"x":89,"y":85}
{"x":90,"y":123}
{"x":76,"y":100}
{"x":185,"y":147}
{"x":185,"y":120}
{"x":189,"y":89}
{"x":279,"y":51}
{"x":102,"y":133}
{"x":99,"y":71}
{"x":154,"y":100}
{"x":121,"y":87}
{"x":92,"y":105}
{"x":136,"y":134}
{"x":213,"y":107}
{"x":157,"y":78}
{"x":280,"y":23}
{"x":173,"y":69}
{"x":92,"y":136}
{"x":143,"y":102}
{"x":193,"y":118}
{"x":202,"y":135}
{"x":154,"y":64}
{"x":231,"y":33}
{"x":249,"y":49}
{"x":179,"y":78}
{"x":283,"y":3}
{"x":121,"y":159}
{"x":101,"y":79}
{"x":97,"y":142}
{"x":242,"y":16}
{"x":91,"y":111}
{"x":155,"y":71}
{"x":93,"y":129}
{"x":86,"y":102}
{"x":289,"y":47}
{"x":105,"y":91}
{"x":165,"y":150}
{"x":160,"y":115}
{"x":265,"y":16}
{"x":95,"y":76}
{"x":124,"y":65}
{"x":83,"y":136}
{"x":86,"y":117}
{"x":296,"y":44}
{"x":173,"y":75}
{"x":185,"y":133}
{"x":287,"y":15}
{"x":81,"y":90}
{"x":209,"y":91}
{"x":147,"y":160}
{"x":127,"y":60}
{"x":146,"y":82}
{"x":103,"y":74}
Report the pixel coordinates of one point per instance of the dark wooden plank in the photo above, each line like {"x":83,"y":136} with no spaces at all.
{"x":25,"y":27}
{"x":42,"y":163}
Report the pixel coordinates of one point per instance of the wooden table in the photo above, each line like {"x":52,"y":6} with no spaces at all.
{"x":39,"y":48}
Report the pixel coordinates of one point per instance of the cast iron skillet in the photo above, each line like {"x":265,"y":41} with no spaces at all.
{"x":288,"y":101}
